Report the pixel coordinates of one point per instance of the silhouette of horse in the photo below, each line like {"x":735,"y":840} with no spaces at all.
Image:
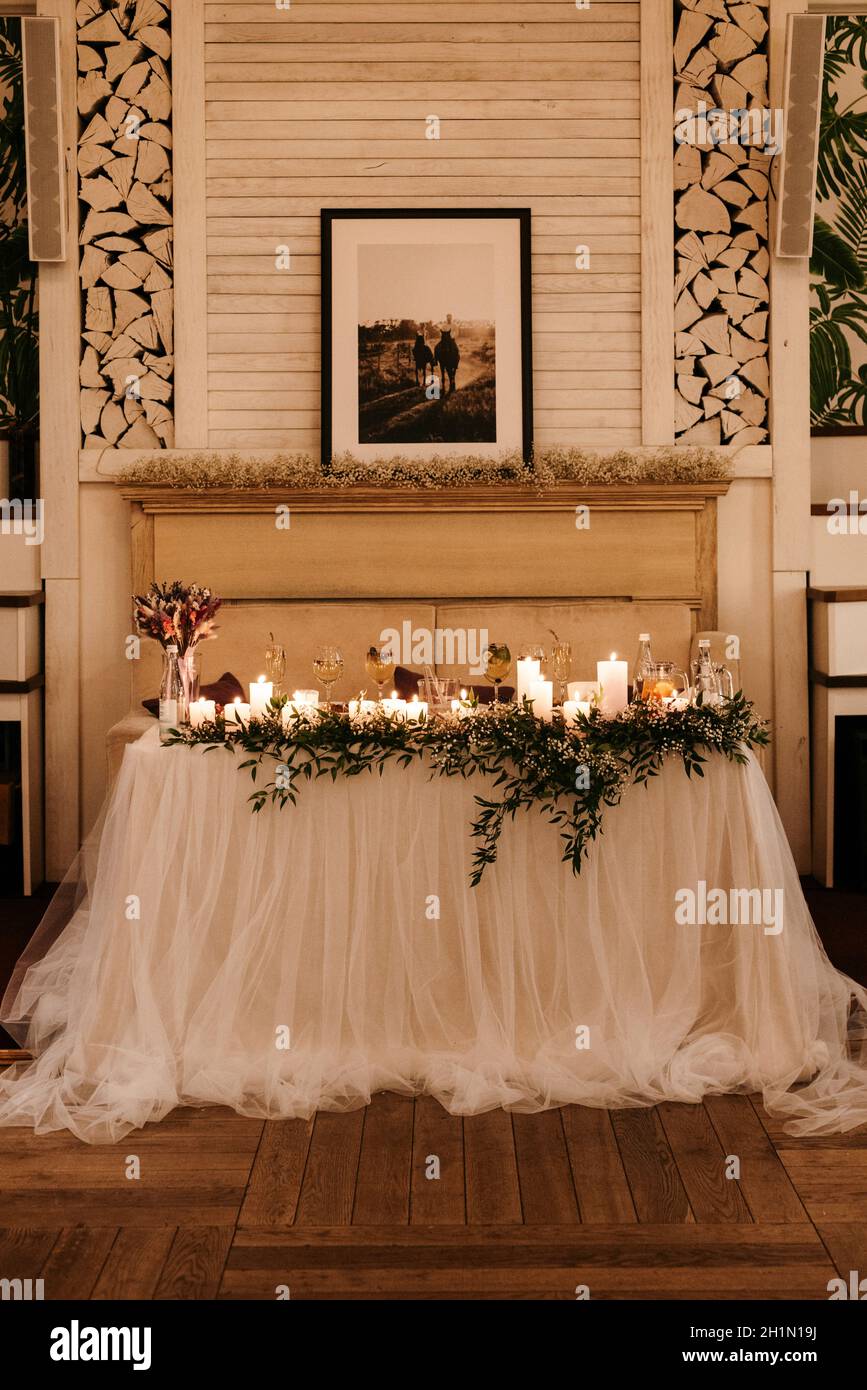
{"x":448,"y":355}
{"x":423,"y":358}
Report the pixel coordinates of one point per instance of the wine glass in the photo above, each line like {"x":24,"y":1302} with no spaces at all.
{"x":498,"y":664}
{"x":535,"y":651}
{"x":328,"y":667}
{"x":561,"y":665}
{"x":379,"y":665}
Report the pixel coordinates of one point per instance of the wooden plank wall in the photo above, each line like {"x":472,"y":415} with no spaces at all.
{"x":325,"y":104}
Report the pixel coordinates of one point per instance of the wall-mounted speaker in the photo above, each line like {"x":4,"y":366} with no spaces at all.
{"x":802,"y":105}
{"x":43,"y":127}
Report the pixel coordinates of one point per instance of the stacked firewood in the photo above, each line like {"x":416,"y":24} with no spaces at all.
{"x":721,"y":237}
{"x":125,"y":187}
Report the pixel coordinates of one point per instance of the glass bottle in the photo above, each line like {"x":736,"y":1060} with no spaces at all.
{"x":171,"y":694}
{"x":643,"y":661}
{"x":706,"y":682}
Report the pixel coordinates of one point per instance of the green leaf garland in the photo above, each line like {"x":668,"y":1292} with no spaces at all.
{"x":572,"y":774}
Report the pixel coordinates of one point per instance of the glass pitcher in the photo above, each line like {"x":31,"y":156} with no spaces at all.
{"x":663,"y":682}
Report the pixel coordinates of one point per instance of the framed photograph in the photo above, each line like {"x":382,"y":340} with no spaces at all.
{"x":426,"y":332}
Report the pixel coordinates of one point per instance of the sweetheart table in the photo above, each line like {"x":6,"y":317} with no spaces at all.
{"x":303,"y":958}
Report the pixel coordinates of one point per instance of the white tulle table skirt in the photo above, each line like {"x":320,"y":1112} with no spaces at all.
{"x":304,"y":958}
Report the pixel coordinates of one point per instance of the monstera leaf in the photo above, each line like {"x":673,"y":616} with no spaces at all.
{"x":830,"y":369}
{"x":843,"y":130}
{"x":834,"y":259}
{"x":847,"y":36}
{"x":853,"y":398}
{"x":842,"y":144}
{"x":19,"y":365}
{"x":851,"y":221}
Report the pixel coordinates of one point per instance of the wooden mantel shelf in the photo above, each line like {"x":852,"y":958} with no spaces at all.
{"x":156,"y":498}
{"x":645,"y":540}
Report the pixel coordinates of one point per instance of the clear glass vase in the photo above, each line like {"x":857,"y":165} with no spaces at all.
{"x":188,"y":665}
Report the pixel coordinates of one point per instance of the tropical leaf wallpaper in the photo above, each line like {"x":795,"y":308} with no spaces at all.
{"x":838,"y":268}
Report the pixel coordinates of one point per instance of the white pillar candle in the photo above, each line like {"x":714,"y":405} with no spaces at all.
{"x":394,"y":706}
{"x":573,"y":708}
{"x":357,"y":707}
{"x":613,"y":678}
{"x":236,"y":712}
{"x":416,"y":709}
{"x":202,"y":711}
{"x":542,"y":694}
{"x":302,"y":702}
{"x":583,"y":691}
{"x":260,"y":695}
{"x":528,"y":670}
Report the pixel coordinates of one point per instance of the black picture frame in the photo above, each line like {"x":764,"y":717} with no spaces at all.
{"x":328,"y":216}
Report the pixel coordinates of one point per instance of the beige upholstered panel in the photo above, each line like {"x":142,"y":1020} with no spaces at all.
{"x":301,"y":628}
{"x":457,"y":554}
{"x":594,"y":629}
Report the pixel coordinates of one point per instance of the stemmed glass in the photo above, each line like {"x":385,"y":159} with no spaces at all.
{"x":379,"y":665}
{"x":328,"y":667}
{"x":498,"y":664}
{"x":561,"y":665}
{"x":275,"y":664}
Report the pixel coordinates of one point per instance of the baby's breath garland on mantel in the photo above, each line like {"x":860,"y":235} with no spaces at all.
{"x":571,"y":773}
{"x":547,"y":468}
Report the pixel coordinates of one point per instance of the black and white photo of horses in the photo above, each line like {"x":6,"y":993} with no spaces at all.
{"x":426,"y":344}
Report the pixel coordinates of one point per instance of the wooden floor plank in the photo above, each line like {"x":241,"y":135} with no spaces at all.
{"x":23,"y":1251}
{"x":544,"y":1174}
{"x":195,"y":1263}
{"x":832,"y":1184}
{"x":701,"y":1162}
{"x":780,"y":1293}
{"x":134,"y":1263}
{"x":274,"y":1186}
{"x":328,"y":1185}
{"x":493,"y":1192}
{"x":654,"y":1261}
{"x":764,"y":1182}
{"x":846,"y":1242}
{"x":193,"y":1170}
{"x":383,"y":1182}
{"x":508,"y":1243}
{"x":75,"y":1263}
{"x":662,"y":1282}
{"x":437,"y":1191}
{"x":650,"y":1167}
{"x":135,"y":1206}
{"x":597,"y":1168}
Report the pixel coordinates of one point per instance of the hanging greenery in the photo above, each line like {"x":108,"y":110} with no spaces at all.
{"x":570,"y":773}
{"x":838,"y":313}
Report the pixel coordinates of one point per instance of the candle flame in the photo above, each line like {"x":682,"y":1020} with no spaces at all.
{"x":261,"y":680}
{"x":394,"y":694}
{"x":613,"y":656}
{"x":463,"y":694}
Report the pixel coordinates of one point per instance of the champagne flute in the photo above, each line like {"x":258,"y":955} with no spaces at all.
{"x":328,"y":667}
{"x":379,"y":665}
{"x":498,"y":664}
{"x":275,"y":664}
{"x":561,"y":666}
